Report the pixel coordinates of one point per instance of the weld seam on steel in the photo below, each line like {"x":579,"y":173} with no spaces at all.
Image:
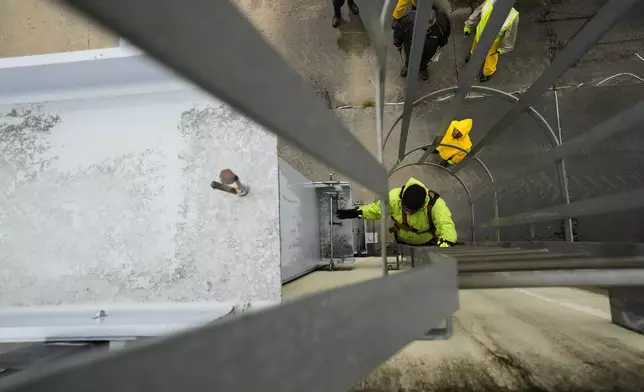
{"x":562,"y":278}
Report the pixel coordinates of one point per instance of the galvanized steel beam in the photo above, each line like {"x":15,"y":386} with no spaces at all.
{"x":612,"y":203}
{"x":466,"y":255}
{"x":518,"y":257}
{"x":566,"y":278}
{"x":285,"y":346}
{"x":561,"y":263}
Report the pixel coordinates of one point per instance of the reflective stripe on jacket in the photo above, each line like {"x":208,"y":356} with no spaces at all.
{"x":508,"y":34}
{"x":453,"y":154}
{"x":423,"y":232}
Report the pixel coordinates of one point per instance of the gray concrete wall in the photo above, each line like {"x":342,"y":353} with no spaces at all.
{"x":29,"y":27}
{"x":107,"y":198}
{"x":299,"y":223}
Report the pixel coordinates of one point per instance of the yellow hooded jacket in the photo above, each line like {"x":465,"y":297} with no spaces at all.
{"x":441,"y":227}
{"x":454,"y":155}
{"x":401,"y":6}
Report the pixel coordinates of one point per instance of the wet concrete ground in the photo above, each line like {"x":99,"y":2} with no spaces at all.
{"x":507,"y":340}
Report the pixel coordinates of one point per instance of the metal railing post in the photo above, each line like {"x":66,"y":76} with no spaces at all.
{"x":563,"y":176}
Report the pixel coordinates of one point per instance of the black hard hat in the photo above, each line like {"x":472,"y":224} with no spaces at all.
{"x":413,"y":197}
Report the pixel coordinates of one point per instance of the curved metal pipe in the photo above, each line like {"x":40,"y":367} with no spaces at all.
{"x":550,"y":133}
{"x":422,"y":147}
{"x":467,"y":191}
{"x":437,"y":92}
{"x":469,"y":196}
{"x":483,"y":165}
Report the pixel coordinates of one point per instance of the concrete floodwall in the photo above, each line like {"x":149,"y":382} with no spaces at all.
{"x":106,"y":160}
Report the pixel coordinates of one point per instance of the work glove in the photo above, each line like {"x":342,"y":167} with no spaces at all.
{"x":394,"y":24}
{"x":443,"y":244}
{"x":467,"y":31}
{"x":349,"y":214}
{"x":499,"y":51}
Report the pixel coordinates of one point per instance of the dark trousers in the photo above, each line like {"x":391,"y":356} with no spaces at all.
{"x":337,"y":4}
{"x":429,"y":49}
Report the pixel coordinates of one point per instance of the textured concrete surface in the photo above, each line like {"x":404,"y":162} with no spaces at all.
{"x":299,"y":223}
{"x":29,"y":27}
{"x":554,"y":339}
{"x":122,"y":210}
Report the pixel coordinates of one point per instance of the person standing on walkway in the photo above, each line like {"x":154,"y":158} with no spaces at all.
{"x":437,"y":35}
{"x":420,"y":216}
{"x":504,"y":42}
{"x":458,"y":134}
{"x":337,"y":11}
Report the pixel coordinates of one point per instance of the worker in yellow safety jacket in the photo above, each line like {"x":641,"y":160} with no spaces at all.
{"x":458,"y":134}
{"x":504,"y":41}
{"x":420,"y":216}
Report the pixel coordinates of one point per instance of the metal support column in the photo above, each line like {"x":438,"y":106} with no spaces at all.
{"x":563,"y":176}
{"x":411,"y":83}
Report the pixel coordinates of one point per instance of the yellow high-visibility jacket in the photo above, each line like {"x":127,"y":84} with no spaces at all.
{"x":441,"y":5}
{"x":422,"y":230}
{"x":452,"y":154}
{"x":401,"y":6}
{"x":507,"y":37}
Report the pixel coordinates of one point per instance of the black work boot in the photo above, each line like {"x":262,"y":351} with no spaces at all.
{"x":354,"y":8}
{"x":424,"y":75}
{"x":337,"y":19}
{"x":403,"y":71}
{"x":485,"y":78}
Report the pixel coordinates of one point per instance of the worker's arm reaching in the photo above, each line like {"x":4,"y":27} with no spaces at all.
{"x":372,"y":211}
{"x":510,"y":37}
{"x":442,"y":218}
{"x":473,"y":20}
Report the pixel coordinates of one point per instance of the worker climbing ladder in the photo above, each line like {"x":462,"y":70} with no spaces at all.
{"x":284,"y":343}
